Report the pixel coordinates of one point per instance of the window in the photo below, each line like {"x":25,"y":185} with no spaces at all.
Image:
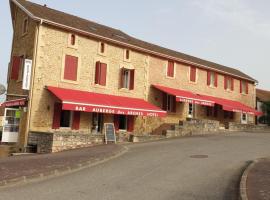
{"x":212,"y":79}
{"x":124,"y":122}
{"x":97,"y":122}
{"x":72,"y":39}
{"x":71,"y":68}
{"x":127,"y":78}
{"x":102,"y":48}
{"x":16,"y":65}
{"x":25,"y":26}
{"x":212,"y":111}
{"x":170,"y":69}
{"x":169,"y":103}
{"x":192,"y":74}
{"x":243,"y":87}
{"x":127,"y":55}
{"x":65,"y":118}
{"x":101,"y":73}
{"x":228,"y":115}
{"x":228,"y":83}
{"x":190,"y":110}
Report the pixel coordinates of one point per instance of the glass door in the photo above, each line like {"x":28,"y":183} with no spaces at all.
{"x":11,"y":125}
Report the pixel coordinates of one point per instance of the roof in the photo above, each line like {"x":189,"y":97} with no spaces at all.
{"x":64,"y":20}
{"x":104,"y":103}
{"x":263,"y":95}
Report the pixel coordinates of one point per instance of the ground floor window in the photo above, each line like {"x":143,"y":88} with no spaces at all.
{"x":124,"y":122}
{"x":212,"y":111}
{"x":228,"y":115}
{"x":65,"y":119}
{"x":169,"y":103}
{"x":190,"y":109}
{"x":97,"y":122}
{"x":244,"y":118}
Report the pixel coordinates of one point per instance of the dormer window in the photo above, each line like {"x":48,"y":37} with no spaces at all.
{"x":72,"y":39}
{"x":25,"y":26}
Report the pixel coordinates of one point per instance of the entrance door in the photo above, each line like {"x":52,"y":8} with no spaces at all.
{"x":244,"y":118}
{"x":97,"y":123}
{"x":190,"y":110}
{"x":11,"y":125}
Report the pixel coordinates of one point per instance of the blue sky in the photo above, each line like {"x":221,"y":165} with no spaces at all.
{"x":235,"y":33}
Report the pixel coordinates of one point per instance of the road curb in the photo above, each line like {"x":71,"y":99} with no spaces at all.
{"x":60,"y":171}
{"x":243,"y":183}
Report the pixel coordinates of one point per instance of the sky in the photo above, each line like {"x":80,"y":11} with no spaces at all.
{"x":234,"y":33}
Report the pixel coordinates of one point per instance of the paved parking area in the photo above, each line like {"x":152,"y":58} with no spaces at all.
{"x":203,"y":168}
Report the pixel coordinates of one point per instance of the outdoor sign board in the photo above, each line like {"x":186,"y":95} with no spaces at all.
{"x":27,"y":74}
{"x":109,"y":133}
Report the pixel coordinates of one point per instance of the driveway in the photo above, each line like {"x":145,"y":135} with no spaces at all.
{"x":200,"y":168}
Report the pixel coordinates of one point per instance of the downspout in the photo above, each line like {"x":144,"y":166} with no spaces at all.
{"x":30,"y":102}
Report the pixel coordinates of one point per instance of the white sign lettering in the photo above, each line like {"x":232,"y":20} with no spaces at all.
{"x":27,"y":74}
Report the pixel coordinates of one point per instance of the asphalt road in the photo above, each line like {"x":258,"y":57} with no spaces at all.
{"x":200,"y":168}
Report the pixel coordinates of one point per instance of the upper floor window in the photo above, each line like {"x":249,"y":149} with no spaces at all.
{"x":16,"y":66}
{"x":101,"y":73}
{"x":193,"y":74}
{"x":228,"y":83}
{"x":212,"y":79}
{"x":169,"y":103}
{"x":25,"y":26}
{"x":127,"y":78}
{"x":102,"y":48}
{"x":127,"y":55}
{"x":170,"y":69}
{"x":72,"y":39}
{"x":71,"y":68}
{"x":243,"y":87}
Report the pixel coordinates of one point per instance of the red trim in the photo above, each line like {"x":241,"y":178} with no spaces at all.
{"x":71,"y":68}
{"x":16,"y":64}
{"x":193,"y":74}
{"x":14,"y":103}
{"x":103,"y":74}
{"x":132,"y":76}
{"x":102,"y":103}
{"x":216,"y":79}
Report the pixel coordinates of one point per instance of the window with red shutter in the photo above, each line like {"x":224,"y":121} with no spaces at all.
{"x":170,"y":69}
{"x":208,"y":78}
{"x":71,"y":68}
{"x":127,"y":78}
{"x":193,"y":74}
{"x":164,"y":101}
{"x":131,"y":79}
{"x":101,"y":73}
{"x":130,"y":123}
{"x":116,"y":122}
{"x":76,"y":121}
{"x":232,"y":84}
{"x":241,"y":89}
{"x":216,"y":80}
{"x":56,"y":115}
{"x":225,"y":83}
{"x":16,"y":64}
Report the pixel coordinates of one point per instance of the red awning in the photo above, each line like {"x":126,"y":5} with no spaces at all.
{"x":186,"y":96}
{"x":14,"y":103}
{"x":103,"y":103}
{"x":189,"y":97}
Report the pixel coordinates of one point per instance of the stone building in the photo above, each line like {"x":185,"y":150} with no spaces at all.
{"x":68,"y":76}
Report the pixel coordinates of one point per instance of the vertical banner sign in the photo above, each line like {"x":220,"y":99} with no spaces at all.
{"x":27,"y":74}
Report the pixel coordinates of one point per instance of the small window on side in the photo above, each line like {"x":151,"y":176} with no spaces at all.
{"x":25,"y":26}
{"x":102,"y":47}
{"x":127,"y":54}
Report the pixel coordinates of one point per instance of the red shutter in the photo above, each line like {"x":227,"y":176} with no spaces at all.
{"x":241,"y":89}
{"x":76,"y":121}
{"x":232,"y":84}
{"x":170,"y":69}
{"x":174,"y":104}
{"x":225,"y":82}
{"x":116,"y":122}
{"x":71,"y":67}
{"x":97,"y":73}
{"x":208,"y":77}
{"x":246,"y":87}
{"x":131,"y":83}
{"x":164,"y":102}
{"x":16,"y":63}
{"x":130,"y":123}
{"x":121,"y":78}
{"x":103,"y":74}
{"x":193,"y":74}
{"x":56,"y":115}
{"x":216,"y":79}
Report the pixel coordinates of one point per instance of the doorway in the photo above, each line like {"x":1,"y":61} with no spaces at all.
{"x":97,"y":123}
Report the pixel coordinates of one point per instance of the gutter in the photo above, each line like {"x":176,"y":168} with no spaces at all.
{"x":126,"y":44}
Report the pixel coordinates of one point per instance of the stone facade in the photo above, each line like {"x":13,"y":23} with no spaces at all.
{"x":48,"y":45}
{"x":232,"y":126}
